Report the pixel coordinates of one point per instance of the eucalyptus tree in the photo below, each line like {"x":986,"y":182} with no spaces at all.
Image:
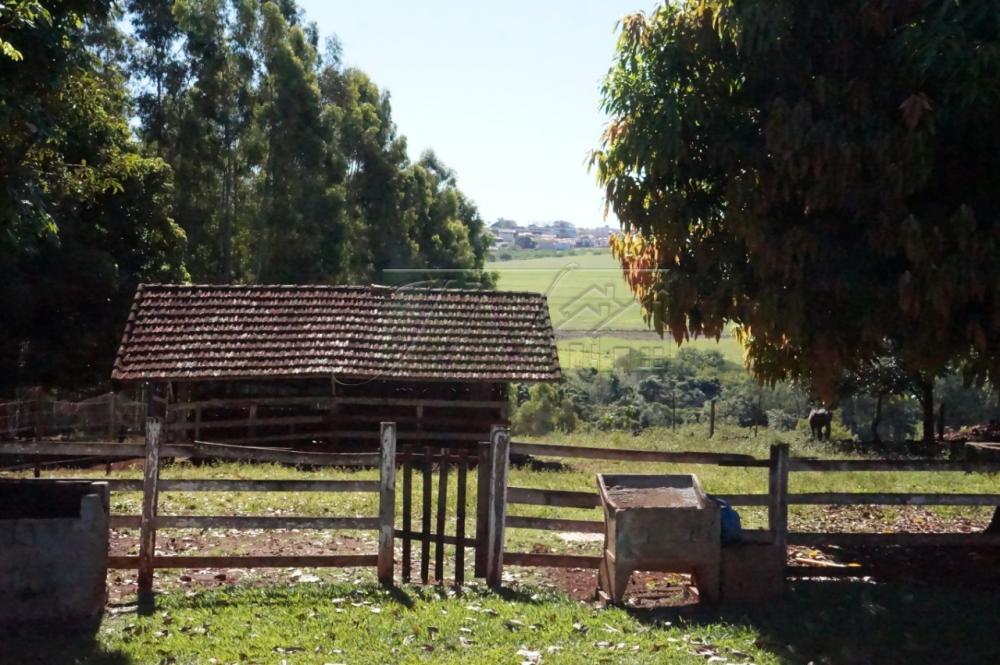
{"x":301,"y":235}
{"x":213,"y":155}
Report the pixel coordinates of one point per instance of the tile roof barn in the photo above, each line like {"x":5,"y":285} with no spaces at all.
{"x":209,"y":332}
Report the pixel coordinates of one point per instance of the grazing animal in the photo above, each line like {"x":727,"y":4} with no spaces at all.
{"x":819,"y":423}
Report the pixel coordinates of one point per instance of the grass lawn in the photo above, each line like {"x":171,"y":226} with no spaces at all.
{"x":361,"y":623}
{"x":357,"y":622}
{"x":341,"y":616}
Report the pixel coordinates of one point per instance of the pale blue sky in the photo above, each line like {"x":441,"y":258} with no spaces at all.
{"x":506,"y":93}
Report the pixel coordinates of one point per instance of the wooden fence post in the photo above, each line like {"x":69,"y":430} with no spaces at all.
{"x":147,"y":523}
{"x":112,"y":417}
{"x":482,"y":507}
{"x":778,"y":495}
{"x":387,"y":504}
{"x":442,"y":515}
{"x":425,"y":517}
{"x":500,"y":459}
{"x":711,"y":419}
{"x":407,"y":516}
{"x":463,"y":465}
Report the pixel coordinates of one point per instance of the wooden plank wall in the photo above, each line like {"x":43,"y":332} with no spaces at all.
{"x":338,"y":415}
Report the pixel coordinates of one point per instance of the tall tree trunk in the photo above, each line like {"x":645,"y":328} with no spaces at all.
{"x":927,"y":402}
{"x":877,"y":419}
{"x":228,"y":185}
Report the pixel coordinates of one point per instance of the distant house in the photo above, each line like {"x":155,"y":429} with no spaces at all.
{"x":324,"y":365}
{"x":503,"y":237}
{"x":547,"y":241}
{"x":563,"y":229}
{"x":525,"y":241}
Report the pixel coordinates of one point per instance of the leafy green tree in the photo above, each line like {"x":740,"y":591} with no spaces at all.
{"x":546,"y":410}
{"x":15,"y":16}
{"x":820,"y":174}
{"x":84,"y":217}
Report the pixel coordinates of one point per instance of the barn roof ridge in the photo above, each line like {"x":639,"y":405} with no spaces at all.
{"x":339,"y":287}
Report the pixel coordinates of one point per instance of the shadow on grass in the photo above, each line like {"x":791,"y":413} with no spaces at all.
{"x":858,"y":623}
{"x":275,"y":596}
{"x":51,"y":645}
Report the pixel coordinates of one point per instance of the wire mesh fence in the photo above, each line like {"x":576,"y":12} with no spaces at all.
{"x":110,"y":416}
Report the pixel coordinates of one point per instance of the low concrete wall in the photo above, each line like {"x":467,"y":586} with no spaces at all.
{"x":53,"y":570}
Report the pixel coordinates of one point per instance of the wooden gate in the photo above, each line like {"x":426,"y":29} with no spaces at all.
{"x":441,"y":527}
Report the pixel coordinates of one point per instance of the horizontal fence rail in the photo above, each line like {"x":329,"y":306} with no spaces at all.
{"x":551,"y":560}
{"x":253,"y":453}
{"x":577,"y":499}
{"x":895,"y":539}
{"x":328,"y":401}
{"x":303,"y":561}
{"x":631,"y":455}
{"x":213,"y":485}
{"x":554,"y":524}
{"x":198,"y":449}
{"x":546,"y":497}
{"x":262,"y":522}
{"x":246,"y":522}
{"x":892,"y":465}
{"x":776,"y":500}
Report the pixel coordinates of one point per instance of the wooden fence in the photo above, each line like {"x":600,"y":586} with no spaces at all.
{"x":493,"y":494}
{"x":777,"y":500}
{"x":149,"y":522}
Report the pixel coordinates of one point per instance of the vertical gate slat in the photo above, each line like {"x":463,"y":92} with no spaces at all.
{"x":425,"y":529}
{"x":442,"y":509}
{"x":463,"y":465}
{"x":778,"y":493}
{"x":407,"y":518}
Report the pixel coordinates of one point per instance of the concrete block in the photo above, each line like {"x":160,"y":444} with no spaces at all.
{"x":53,"y":569}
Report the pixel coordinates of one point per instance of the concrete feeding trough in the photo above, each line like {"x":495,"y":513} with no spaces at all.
{"x":658,"y":523}
{"x":53,"y":553}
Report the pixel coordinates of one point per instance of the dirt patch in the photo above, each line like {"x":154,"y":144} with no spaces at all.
{"x":645,"y":589}
{"x":122,"y":583}
{"x":964,"y":567}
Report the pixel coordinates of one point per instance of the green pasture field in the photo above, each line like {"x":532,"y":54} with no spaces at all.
{"x":341,"y":616}
{"x":587,"y":294}
{"x":603,"y":352}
